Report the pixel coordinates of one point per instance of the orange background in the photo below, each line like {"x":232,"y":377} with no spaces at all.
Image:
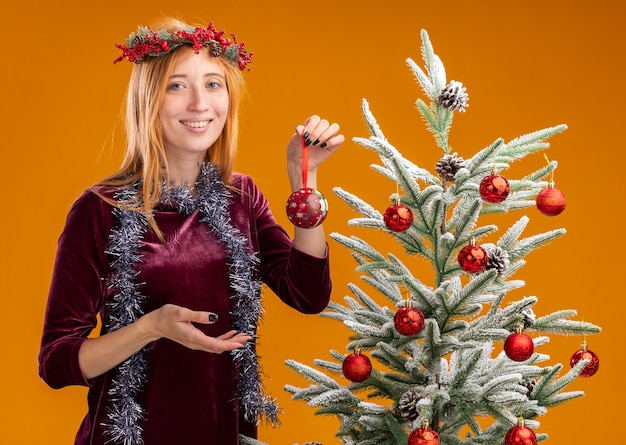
{"x":526,"y":65}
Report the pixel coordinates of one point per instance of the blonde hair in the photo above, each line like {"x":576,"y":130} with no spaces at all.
{"x":145,"y":154}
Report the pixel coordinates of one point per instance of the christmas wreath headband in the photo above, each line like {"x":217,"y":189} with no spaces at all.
{"x":148,"y":43}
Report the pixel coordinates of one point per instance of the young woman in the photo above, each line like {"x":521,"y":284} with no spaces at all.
{"x":170,"y":252}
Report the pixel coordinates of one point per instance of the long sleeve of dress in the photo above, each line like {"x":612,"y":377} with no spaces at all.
{"x":76,"y":291}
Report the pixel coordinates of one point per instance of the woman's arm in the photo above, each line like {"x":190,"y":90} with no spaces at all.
{"x":99,"y":355}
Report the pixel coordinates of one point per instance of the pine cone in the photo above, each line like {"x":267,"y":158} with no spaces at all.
{"x":454,"y":97}
{"x":528,"y":318}
{"x":497,"y":258}
{"x":448,"y":166}
{"x":179,"y":40}
{"x":139,"y":39}
{"x":407,"y":405}
{"x":529,"y":384}
{"x":215,"y":48}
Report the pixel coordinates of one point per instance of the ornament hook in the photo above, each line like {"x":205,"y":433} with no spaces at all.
{"x":551,"y":178}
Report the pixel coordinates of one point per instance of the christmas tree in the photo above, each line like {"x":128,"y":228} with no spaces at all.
{"x":452,"y":361}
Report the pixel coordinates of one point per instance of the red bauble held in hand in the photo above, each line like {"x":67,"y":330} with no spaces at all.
{"x":520,"y":435}
{"x":424,"y":436}
{"x":306,"y":207}
{"x":356,"y":367}
{"x":472,"y":259}
{"x":551,"y":201}
{"x":585,"y":354}
{"x":519,"y":347}
{"x":408,"y":321}
{"x":494,"y":188}
{"x":398,"y":217}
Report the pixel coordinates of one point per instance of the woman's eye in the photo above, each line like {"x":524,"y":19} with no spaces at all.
{"x":174,"y":86}
{"x":213,"y":85}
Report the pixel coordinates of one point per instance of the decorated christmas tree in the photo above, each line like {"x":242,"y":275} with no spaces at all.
{"x":457,"y":360}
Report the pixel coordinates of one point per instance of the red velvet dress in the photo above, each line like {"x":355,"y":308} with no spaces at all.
{"x":190,"y":396}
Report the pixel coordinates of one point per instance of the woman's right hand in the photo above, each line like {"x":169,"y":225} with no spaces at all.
{"x":176,"y":323}
{"x":100,"y":354}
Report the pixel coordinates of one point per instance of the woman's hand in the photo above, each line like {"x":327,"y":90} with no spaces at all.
{"x":176,"y":323}
{"x":100,"y":354}
{"x":322,"y":138}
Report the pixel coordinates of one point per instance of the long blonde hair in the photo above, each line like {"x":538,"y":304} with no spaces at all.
{"x":145,"y":154}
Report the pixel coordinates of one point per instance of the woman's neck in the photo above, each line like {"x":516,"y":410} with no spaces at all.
{"x":184,"y":173}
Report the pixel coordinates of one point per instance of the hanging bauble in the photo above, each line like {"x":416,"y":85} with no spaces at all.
{"x":356,"y":367}
{"x":520,"y":435}
{"x":306,"y":208}
{"x":551,"y":201}
{"x":494,"y":188}
{"x":408,"y":321}
{"x":585,"y":354}
{"x":398,"y":217}
{"x":472,"y":258}
{"x":519,"y":347}
{"x":424,"y":436}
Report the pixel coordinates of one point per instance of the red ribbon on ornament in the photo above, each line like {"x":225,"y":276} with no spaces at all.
{"x":305,"y":161}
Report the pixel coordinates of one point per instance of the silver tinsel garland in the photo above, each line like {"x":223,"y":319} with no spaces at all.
{"x":211,"y":199}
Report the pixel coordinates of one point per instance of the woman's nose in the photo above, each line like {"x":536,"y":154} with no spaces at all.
{"x":198,"y":100}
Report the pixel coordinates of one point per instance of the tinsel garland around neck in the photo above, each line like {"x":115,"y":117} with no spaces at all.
{"x":211,"y":198}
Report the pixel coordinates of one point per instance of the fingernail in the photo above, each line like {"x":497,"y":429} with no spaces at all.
{"x":307,"y":142}
{"x":323,"y":145}
{"x":212,"y":318}
{"x":317,"y":141}
{"x":306,"y":134}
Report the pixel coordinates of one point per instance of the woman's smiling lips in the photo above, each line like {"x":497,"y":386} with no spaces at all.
{"x":195,"y":124}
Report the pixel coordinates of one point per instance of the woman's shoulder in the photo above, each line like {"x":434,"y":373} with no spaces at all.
{"x":96,"y":195}
{"x":94,"y":201}
{"x":241,"y":180}
{"x":244,"y":187}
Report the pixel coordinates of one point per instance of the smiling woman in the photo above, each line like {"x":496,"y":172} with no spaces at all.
{"x":170,"y":252}
{"x":193,"y":113}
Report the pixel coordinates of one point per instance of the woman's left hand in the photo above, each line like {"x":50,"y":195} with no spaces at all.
{"x":322,"y":138}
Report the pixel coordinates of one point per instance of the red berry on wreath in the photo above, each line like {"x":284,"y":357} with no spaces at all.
{"x":409,"y":321}
{"x":520,"y":435}
{"x":519,"y":347}
{"x":424,"y":436}
{"x":494,"y":188}
{"x":551,"y":201}
{"x":306,"y":208}
{"x":472,"y":258}
{"x":585,"y":354}
{"x":398,"y":217}
{"x":356,"y":367}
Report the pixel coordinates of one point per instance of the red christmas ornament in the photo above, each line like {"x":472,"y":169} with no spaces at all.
{"x":306,"y":208}
{"x":585,"y":354}
{"x":551,"y":201}
{"x":356,"y":367}
{"x":424,"y":436}
{"x":472,"y":259}
{"x":519,"y":347}
{"x":520,"y":435}
{"x":398,"y":217}
{"x":494,"y":188}
{"x":408,"y":321}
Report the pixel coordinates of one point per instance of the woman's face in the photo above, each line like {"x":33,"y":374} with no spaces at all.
{"x":194,"y":107}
